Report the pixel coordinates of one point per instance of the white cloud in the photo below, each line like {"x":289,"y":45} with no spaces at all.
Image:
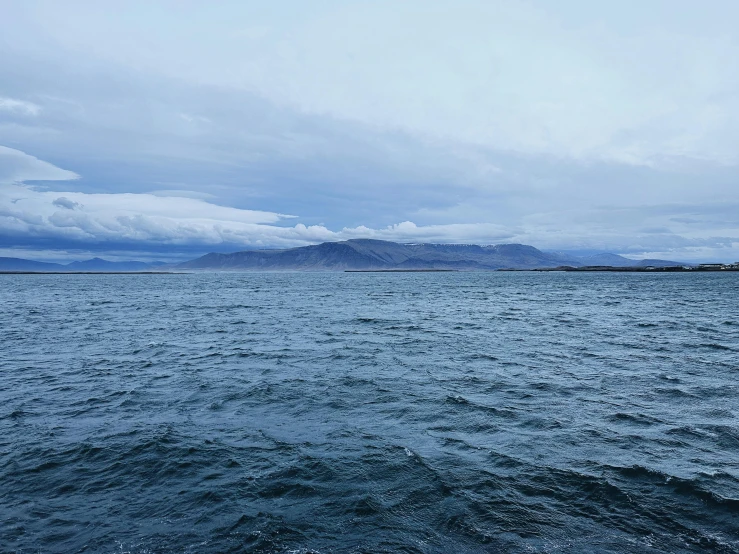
{"x":126,"y":217}
{"x":27,"y":211}
{"x":19,"y":106}
{"x":17,"y":166}
{"x":148,"y":219}
{"x":182,"y":193}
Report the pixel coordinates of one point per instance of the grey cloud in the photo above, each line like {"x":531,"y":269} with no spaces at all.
{"x":63,"y":202}
{"x":536,"y":77}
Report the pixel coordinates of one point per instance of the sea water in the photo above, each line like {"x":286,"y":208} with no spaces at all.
{"x":369,"y":412}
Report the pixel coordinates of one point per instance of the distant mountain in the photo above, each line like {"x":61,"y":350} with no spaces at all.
{"x":98,"y":264}
{"x":378,"y":254}
{"x":614,"y":260}
{"x":95,"y":264}
{"x":19,"y":264}
{"x":649,"y":262}
{"x":356,"y":254}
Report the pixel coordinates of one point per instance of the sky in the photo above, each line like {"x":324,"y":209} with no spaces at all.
{"x":168,"y":129}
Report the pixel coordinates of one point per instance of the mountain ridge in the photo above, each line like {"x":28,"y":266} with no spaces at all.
{"x":354,"y":254}
{"x":372,"y":254}
{"x":94,"y":264}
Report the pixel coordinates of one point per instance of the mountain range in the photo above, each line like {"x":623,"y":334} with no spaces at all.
{"x":95,"y":264}
{"x":356,"y":254}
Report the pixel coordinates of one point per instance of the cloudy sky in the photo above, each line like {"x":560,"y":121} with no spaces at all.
{"x":164,"y":130}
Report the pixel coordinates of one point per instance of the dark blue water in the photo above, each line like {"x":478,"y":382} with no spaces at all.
{"x":329,"y":413}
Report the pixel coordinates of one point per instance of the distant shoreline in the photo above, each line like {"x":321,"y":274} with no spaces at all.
{"x":633,"y":269}
{"x":399,"y":270}
{"x":92,"y":272}
{"x":589,"y":269}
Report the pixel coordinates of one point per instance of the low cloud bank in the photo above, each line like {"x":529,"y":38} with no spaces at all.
{"x":145,"y":221}
{"x":146,"y":218}
{"x":26,"y":211}
{"x":31,"y":217}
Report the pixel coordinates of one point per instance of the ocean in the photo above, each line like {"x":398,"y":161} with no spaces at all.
{"x":369,"y":412}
